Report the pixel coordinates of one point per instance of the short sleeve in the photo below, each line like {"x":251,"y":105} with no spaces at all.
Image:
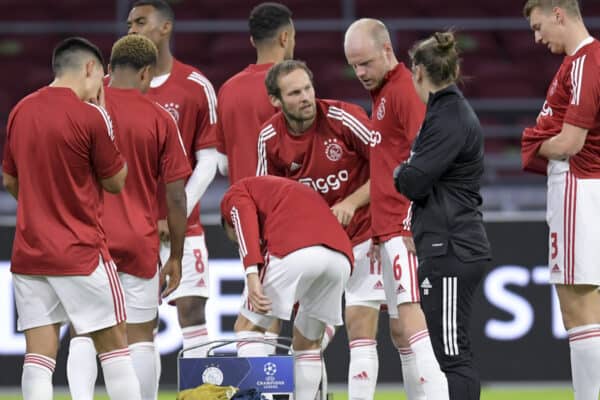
{"x":8,"y":163}
{"x":173,"y":159}
{"x":205,"y":100}
{"x":585,"y":97}
{"x":106,"y":158}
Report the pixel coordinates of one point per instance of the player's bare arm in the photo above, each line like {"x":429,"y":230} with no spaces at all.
{"x":564,"y":145}
{"x":345,"y":209}
{"x":177,"y":223}
{"x":11,"y":184}
{"x":115,"y":183}
{"x":259,"y":301}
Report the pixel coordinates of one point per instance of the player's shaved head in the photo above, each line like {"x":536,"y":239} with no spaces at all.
{"x":72,"y":53}
{"x":162,"y":7}
{"x":367,"y":29}
{"x":570,"y":6}
{"x":133,"y":51}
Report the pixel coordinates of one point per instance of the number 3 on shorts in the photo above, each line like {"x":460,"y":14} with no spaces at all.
{"x":554,"y":244}
{"x":199,"y":263}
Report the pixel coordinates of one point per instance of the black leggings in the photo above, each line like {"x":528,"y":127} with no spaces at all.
{"x":447,"y":286}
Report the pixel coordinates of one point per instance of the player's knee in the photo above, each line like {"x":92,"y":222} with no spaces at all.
{"x":190,"y":311}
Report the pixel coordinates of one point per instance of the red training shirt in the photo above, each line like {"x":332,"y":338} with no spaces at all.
{"x":332,"y":156}
{"x":397,"y":115}
{"x":574,"y":98}
{"x":192,"y":101}
{"x":58,"y":147}
{"x":149,"y":140}
{"x":244,"y":107}
{"x":280,"y":216}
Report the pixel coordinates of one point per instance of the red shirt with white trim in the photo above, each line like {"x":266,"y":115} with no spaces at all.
{"x":396,"y":117}
{"x":574,"y":98}
{"x":192,"y":101}
{"x":150,"y":142}
{"x":244,"y":107}
{"x":58,"y":148}
{"x":279,"y":216}
{"x":331,"y":157}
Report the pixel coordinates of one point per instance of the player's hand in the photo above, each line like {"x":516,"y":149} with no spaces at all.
{"x":256,"y":297}
{"x":374,"y":253}
{"x":410,"y":244}
{"x":171,"y":274}
{"x":344,"y":211}
{"x":163,"y":230}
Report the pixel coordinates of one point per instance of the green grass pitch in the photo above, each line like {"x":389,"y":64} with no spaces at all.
{"x":487,"y":394}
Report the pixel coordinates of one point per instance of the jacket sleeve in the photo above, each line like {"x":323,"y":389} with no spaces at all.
{"x":434,"y":150}
{"x":239,"y":211}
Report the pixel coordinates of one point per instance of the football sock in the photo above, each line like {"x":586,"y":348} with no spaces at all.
{"x":363,"y":370}
{"x":410,"y":375}
{"x":119,"y":376}
{"x":82,"y":368}
{"x":36,"y":381}
{"x":433,"y":380}
{"x":584,"y":342}
{"x":195,"y":336}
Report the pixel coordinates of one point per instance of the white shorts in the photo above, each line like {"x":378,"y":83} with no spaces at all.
{"x":574,"y":229}
{"x":315,"y":277}
{"x":194,"y":268}
{"x":365,"y":286}
{"x":141,"y":297}
{"x":400,"y":279}
{"x":91,"y":302}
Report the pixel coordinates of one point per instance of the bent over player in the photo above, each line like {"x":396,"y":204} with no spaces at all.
{"x":308,"y":260}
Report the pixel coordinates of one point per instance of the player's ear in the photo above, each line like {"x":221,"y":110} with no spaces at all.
{"x":166,"y":28}
{"x":275,"y":102}
{"x":284,"y":36}
{"x":252,"y":42}
{"x":90,"y":65}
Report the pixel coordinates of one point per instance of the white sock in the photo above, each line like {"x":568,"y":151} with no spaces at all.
{"x":363,"y":370}
{"x":119,"y":376}
{"x":158,"y":358}
{"x":36,"y":381}
{"x":307,"y":374}
{"x":143,"y":357}
{"x":158,"y":363}
{"x":250,"y":349}
{"x":195,"y":336}
{"x":328,"y":336}
{"x":271,"y":337}
{"x":435,"y":384}
{"x":410,"y":375}
{"x":82,"y":368}
{"x":584,"y":342}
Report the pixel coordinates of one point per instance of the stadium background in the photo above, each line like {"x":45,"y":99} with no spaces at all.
{"x":517,"y":330}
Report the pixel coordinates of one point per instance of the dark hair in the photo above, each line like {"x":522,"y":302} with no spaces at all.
{"x":439,"y":55}
{"x":133,"y":51}
{"x":570,"y":6}
{"x":159,"y":5}
{"x":266,"y":19}
{"x":283,"y":68}
{"x":67,"y":54}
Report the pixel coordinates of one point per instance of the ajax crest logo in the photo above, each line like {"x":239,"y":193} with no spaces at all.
{"x":173,"y":109}
{"x":381,"y":109}
{"x":333,"y":150}
{"x":212,"y":375}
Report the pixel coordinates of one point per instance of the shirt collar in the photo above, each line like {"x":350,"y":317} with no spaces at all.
{"x":434,"y":97}
{"x":583,"y":43}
